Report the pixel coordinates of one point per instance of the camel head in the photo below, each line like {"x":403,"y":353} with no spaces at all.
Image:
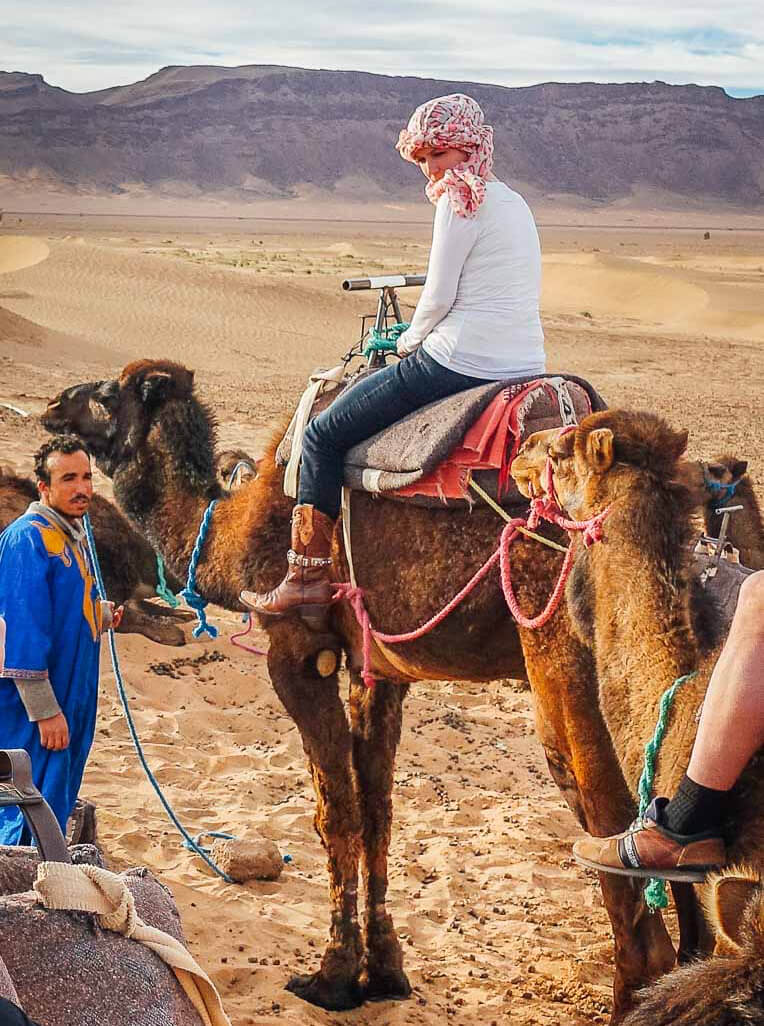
{"x":595,"y":464}
{"x":531,"y":459}
{"x":115,"y":417}
{"x":720,"y":476}
{"x":236,"y":468}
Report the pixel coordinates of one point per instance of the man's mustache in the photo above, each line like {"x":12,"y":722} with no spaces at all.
{"x":84,"y":498}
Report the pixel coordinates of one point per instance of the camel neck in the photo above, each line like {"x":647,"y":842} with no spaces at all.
{"x":643,"y":635}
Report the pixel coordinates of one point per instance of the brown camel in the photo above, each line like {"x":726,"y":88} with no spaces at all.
{"x":746,"y":527}
{"x":643,"y":635}
{"x":127,"y":561}
{"x":728,"y":988}
{"x":235,"y":468}
{"x":156,"y":440}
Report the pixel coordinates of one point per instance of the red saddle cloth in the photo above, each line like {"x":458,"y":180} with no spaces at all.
{"x":491,"y":443}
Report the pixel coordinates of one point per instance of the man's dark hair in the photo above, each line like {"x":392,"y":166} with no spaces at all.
{"x":65,"y":444}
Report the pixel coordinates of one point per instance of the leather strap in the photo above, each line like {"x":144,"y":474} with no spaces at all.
{"x":295,"y":559}
{"x":17,"y":788}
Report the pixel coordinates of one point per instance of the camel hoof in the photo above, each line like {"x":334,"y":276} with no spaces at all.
{"x":387,"y":985}
{"x":334,"y":996}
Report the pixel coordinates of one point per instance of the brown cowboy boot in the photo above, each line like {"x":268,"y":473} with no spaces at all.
{"x":307,"y":588}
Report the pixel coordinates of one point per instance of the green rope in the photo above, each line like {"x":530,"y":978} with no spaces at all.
{"x":162,"y":590}
{"x":655,"y":891}
{"x":384,"y":341}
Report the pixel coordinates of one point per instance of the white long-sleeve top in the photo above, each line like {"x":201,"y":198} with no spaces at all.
{"x":479,"y":309}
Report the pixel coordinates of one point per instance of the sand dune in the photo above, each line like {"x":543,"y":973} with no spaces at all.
{"x":498,"y":924}
{"x":666,"y":294}
{"x":18,"y":252}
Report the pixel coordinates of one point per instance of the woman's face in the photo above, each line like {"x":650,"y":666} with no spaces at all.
{"x":434,"y":161}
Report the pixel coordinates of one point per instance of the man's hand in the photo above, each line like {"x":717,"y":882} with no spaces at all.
{"x":116,"y":616}
{"x":54,"y":732}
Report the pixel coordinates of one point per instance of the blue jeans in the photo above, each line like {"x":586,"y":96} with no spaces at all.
{"x":374,"y":403}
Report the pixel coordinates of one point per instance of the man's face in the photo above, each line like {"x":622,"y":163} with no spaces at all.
{"x":71,"y":483}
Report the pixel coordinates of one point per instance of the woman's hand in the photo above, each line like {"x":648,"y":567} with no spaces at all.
{"x":402,"y":348}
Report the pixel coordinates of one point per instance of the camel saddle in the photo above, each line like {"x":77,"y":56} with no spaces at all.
{"x":410,"y":460}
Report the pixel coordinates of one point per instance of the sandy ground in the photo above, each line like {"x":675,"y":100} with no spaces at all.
{"x":497,"y":922}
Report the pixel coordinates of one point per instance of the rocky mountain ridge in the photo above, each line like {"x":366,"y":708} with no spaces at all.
{"x":258,"y":132}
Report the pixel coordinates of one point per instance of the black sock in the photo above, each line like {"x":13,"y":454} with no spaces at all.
{"x":695,"y":809}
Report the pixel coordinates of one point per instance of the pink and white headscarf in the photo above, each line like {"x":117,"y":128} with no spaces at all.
{"x":455,"y":120}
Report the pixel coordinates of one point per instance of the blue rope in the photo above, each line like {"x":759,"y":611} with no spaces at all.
{"x":161,"y":589}
{"x":241,"y":465}
{"x":722,"y":492}
{"x":655,"y":891}
{"x":189,"y":593}
{"x":189,"y":841}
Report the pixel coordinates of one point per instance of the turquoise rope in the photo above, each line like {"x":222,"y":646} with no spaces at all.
{"x":161,"y":589}
{"x":655,"y":891}
{"x":189,"y":593}
{"x":384,"y":341}
{"x":188,"y":839}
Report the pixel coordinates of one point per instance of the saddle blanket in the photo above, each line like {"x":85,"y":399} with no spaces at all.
{"x":428,"y":456}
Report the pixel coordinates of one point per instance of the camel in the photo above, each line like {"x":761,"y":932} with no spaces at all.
{"x":644,"y":636}
{"x":728,"y":988}
{"x":235,"y":468}
{"x":127,"y":561}
{"x":746,"y":527}
{"x":155,"y":439}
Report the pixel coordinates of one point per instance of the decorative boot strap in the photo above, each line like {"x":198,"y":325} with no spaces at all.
{"x":303,"y":521}
{"x":295,"y":559}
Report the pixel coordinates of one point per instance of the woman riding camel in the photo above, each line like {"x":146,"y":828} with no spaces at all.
{"x":476,"y":321}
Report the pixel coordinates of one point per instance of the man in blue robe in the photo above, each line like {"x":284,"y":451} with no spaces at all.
{"x":51,"y":620}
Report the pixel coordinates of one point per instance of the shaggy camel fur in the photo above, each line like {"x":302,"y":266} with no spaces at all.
{"x":127,"y":561}
{"x":727,"y":989}
{"x":642,"y":636}
{"x":155,"y":439}
{"x":746,"y":527}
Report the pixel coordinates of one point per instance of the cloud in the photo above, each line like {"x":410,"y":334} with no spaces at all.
{"x":84,"y":44}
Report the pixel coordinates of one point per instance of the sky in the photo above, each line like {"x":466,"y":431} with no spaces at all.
{"x":91,"y":44}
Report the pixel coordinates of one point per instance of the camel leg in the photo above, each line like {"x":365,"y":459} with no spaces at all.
{"x":376,"y":717}
{"x":695,"y":937}
{"x":583,"y":763}
{"x":314,"y":704}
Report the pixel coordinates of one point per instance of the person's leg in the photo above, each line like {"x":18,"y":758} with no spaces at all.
{"x":731,"y":727}
{"x":374,"y":403}
{"x":683,"y":833}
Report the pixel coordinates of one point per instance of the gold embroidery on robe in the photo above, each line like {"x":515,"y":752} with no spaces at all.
{"x":57,"y":546}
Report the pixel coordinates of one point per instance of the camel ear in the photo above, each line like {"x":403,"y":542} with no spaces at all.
{"x":726,"y":903}
{"x":739,"y":468}
{"x":599,"y":449}
{"x":159,"y":385}
{"x":678,"y":444}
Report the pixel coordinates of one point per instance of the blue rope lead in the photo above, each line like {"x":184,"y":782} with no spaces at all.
{"x":655,"y":891}
{"x":189,"y":593}
{"x":189,"y":841}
